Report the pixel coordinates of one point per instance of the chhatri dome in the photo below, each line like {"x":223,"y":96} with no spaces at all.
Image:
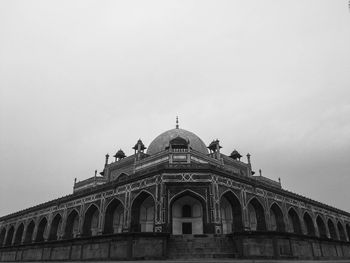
{"x":161,"y":142}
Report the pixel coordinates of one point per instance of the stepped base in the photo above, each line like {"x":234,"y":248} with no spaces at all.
{"x":200,"y":246}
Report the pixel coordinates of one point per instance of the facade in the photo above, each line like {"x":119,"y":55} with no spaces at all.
{"x":178,"y":188}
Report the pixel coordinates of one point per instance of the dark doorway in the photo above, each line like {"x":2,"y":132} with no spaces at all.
{"x":186,"y":228}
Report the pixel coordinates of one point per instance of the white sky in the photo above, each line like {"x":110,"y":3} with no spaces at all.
{"x":79,"y":79}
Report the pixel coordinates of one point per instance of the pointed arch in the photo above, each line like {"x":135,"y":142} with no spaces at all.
{"x":256,"y":215}
{"x":231,"y":213}
{"x":341,"y":231}
{"x":9,"y":237}
{"x":19,"y":234}
{"x":276,"y":216}
{"x":321,"y":227}
{"x":29,"y":232}
{"x":55,"y":227}
{"x":2,"y":236}
{"x":72,"y":225}
{"x":294,"y":221}
{"x":348,"y":231}
{"x":187,"y":192}
{"x":91,"y":220}
{"x":40,"y":235}
{"x":178,"y":224}
{"x":331,"y":228}
{"x":114,"y":217}
{"x":309,"y":224}
{"x":142,"y":212}
{"x":122,"y":177}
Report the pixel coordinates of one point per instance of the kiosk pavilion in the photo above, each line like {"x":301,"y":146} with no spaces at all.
{"x":176,"y":198}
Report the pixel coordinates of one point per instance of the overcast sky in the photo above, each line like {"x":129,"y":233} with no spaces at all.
{"x":79,"y":79}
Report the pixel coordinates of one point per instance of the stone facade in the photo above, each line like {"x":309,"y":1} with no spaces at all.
{"x":183,"y":189}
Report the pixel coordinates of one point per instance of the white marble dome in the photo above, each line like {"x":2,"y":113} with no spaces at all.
{"x":162,"y":141}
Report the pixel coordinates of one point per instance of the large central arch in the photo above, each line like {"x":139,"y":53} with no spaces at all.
{"x":187,"y":213}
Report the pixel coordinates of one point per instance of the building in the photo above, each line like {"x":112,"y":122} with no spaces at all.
{"x":177,"y":189}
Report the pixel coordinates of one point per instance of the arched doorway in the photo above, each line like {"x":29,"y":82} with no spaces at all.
{"x":276,"y":217}
{"x":41,"y":230}
{"x":294,"y":221}
{"x":2,"y":236}
{"x":91,"y":218}
{"x":114,"y":217}
{"x":321,"y":227}
{"x":55,"y":227}
{"x":231,"y":213}
{"x":72,"y":225}
{"x":256,"y":214}
{"x":142,"y":213}
{"x":341,"y":232}
{"x":331,"y":228}
{"x":19,"y":234}
{"x":187,"y":216}
{"x":9,"y":236}
{"x":309,"y":224}
{"x":29,"y":233}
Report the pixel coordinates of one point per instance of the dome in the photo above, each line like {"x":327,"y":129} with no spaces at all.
{"x":162,"y":141}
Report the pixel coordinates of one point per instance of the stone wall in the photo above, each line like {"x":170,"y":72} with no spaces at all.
{"x":114,"y":247}
{"x":290,"y":246}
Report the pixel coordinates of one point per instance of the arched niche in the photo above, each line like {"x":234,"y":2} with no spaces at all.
{"x":19,"y":234}
{"x":72,"y":225}
{"x":321,"y":227}
{"x":142,"y":213}
{"x":231,"y":213}
{"x":91,"y":218}
{"x":276,"y":217}
{"x":256,"y":215}
{"x":2,"y":236}
{"x":122,"y":177}
{"x":332,"y":231}
{"x":41,"y":230}
{"x":114,"y":217}
{"x":29,"y":232}
{"x":341,"y":231}
{"x":187,"y":215}
{"x":294,"y":221}
{"x":309,"y":224}
{"x":9,"y":237}
{"x":55,"y":227}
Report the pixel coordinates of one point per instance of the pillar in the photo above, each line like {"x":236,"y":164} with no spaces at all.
{"x":101,"y":218}
{"x":63,"y":225}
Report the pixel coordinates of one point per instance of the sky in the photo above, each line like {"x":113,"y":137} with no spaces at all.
{"x":79,"y":79}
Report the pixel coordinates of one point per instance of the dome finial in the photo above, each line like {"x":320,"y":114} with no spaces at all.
{"x":177,"y":122}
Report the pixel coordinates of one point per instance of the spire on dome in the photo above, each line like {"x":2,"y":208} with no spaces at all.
{"x":177,"y":122}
